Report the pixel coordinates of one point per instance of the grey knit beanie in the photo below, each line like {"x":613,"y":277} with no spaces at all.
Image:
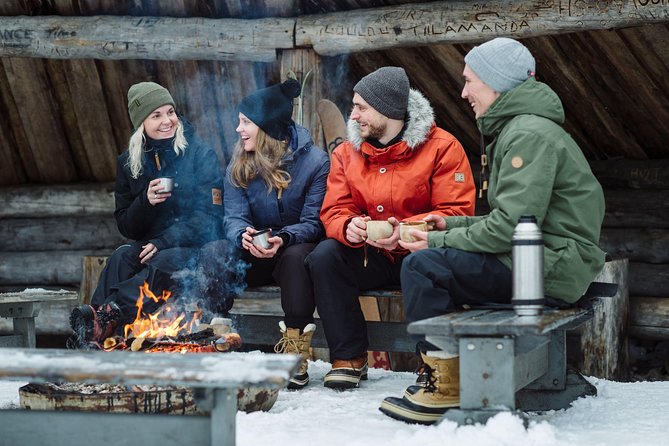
{"x":145,"y":97}
{"x":387,"y":90}
{"x":502,"y":63}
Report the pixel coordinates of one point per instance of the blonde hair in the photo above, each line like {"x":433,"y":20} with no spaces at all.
{"x":263,"y":162}
{"x":138,"y":141}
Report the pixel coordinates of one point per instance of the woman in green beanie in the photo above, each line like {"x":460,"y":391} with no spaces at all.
{"x":166,"y":228}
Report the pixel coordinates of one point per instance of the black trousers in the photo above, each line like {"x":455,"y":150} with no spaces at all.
{"x":437,"y":280}
{"x":229,"y":270}
{"x":123,"y":275}
{"x":339,"y":275}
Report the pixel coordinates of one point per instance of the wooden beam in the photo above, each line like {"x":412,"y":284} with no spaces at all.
{"x":172,"y":38}
{"x":649,"y":317}
{"x":160,"y":38}
{"x":56,"y":268}
{"x":57,"y":201}
{"x":60,"y":233}
{"x":306,"y":65}
{"x":465,"y":21}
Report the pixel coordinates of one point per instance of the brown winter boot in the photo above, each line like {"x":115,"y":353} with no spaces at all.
{"x":292,"y":342}
{"x":426,"y":405}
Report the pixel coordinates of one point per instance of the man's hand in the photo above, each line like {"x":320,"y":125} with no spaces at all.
{"x":420,"y":243}
{"x":356,"y":231}
{"x":388,"y":243}
{"x":435,"y":222}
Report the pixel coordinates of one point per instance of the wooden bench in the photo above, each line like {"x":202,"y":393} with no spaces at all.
{"x":23,"y":308}
{"x":257,"y":312}
{"x":215,"y":376}
{"x":508,"y":362}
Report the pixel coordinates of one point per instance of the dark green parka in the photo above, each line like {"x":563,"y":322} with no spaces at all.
{"x":536,"y":168}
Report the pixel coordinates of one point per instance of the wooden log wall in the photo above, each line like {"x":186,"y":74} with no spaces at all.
{"x":46,"y":231}
{"x":636,"y":226}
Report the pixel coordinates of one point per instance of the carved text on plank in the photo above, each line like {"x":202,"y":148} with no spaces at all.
{"x":428,"y":29}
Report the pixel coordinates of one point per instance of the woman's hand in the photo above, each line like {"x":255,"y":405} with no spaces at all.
{"x":256,"y":251}
{"x":153,"y":193}
{"x":148,"y":252}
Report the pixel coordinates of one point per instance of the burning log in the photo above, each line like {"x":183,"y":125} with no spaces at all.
{"x":224,"y":343}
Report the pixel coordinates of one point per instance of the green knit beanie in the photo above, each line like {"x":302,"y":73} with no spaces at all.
{"x":144,"y":98}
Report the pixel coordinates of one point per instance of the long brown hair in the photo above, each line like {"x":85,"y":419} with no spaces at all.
{"x":263,"y":162}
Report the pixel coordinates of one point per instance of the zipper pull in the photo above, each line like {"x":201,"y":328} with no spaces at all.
{"x":157,"y":158}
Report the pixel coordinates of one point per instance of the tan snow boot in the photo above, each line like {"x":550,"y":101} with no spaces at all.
{"x":426,"y":405}
{"x":292,"y":342}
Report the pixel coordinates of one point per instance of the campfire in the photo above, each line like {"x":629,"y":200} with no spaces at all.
{"x":172,"y":329}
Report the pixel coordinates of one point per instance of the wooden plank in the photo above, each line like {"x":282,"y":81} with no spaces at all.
{"x":462,"y":21}
{"x":159,"y":38}
{"x":47,"y":146}
{"x":306,"y":65}
{"x":604,"y":342}
{"x":43,"y":267}
{"x":79,"y":199}
{"x":634,"y":174}
{"x":646,"y":279}
{"x":644,"y":245}
{"x":649,"y":317}
{"x":92,"y":118}
{"x":626,"y":208}
{"x":67,"y":233}
{"x":61,"y":91}
{"x":91,"y":268}
{"x":204,"y":370}
{"x":54,"y":315}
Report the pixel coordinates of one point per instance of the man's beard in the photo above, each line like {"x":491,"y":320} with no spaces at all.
{"x":376,"y":132}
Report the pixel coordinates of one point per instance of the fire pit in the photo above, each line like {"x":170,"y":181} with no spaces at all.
{"x":167,"y":330}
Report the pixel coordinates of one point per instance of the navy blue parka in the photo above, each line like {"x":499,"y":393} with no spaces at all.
{"x":192,"y":216}
{"x":297,"y":213}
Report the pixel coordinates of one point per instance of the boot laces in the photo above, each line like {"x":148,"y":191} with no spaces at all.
{"x":430,"y":379}
{"x":287,"y":345}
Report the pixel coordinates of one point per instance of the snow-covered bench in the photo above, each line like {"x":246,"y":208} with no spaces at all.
{"x":218,"y":376}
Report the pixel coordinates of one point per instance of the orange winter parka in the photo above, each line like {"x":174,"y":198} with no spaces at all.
{"x":427,"y":172}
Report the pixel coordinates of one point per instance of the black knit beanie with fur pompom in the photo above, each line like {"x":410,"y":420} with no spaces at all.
{"x":271,"y":108}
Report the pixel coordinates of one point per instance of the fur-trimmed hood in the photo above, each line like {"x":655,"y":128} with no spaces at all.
{"x":419,"y":123}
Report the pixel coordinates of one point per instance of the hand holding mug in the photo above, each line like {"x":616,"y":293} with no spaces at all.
{"x":156,"y":192}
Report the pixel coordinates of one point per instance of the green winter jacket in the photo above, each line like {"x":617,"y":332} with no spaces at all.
{"x":537,"y":169}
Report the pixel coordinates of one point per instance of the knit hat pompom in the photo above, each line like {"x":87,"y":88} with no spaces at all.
{"x":501,"y":63}
{"x":387,"y":90}
{"x":271,"y":108}
{"x":144,"y":98}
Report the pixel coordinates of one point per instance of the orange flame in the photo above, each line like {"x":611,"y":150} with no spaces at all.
{"x":159,"y":324}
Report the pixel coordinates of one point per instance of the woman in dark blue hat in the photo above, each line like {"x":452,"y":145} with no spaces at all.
{"x":275,"y":182}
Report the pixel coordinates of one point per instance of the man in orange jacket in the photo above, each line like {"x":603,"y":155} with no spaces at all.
{"x":397,"y":165}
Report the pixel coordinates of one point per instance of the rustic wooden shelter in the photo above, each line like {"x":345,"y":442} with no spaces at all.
{"x":66,"y":66}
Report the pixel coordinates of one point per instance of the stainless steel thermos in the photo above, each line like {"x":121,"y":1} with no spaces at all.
{"x":527,"y":250}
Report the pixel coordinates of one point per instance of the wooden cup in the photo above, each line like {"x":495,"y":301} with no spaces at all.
{"x":378,"y":229}
{"x":406,"y":226}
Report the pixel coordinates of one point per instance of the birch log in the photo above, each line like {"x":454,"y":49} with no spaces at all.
{"x":160,"y":38}
{"x":171,"y":38}
{"x":604,"y":338}
{"x":464,"y":21}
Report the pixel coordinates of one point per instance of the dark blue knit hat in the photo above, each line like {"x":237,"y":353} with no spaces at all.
{"x":271,"y":108}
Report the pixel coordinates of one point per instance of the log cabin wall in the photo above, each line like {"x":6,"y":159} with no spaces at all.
{"x":64,"y":120}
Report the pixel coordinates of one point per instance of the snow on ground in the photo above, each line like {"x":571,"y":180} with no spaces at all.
{"x":623,"y":414}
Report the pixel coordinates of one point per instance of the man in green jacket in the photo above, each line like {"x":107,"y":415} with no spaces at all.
{"x":537,"y":169}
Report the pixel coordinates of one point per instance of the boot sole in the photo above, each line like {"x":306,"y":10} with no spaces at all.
{"x":404,"y":413}
{"x":298,"y":382}
{"x":343,"y":381}
{"x":81,"y":318}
